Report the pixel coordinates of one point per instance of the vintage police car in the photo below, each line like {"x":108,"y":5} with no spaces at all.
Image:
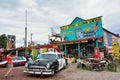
{"x":47,"y":64}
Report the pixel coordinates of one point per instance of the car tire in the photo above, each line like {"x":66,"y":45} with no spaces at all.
{"x":53,"y":71}
{"x":6,"y":65}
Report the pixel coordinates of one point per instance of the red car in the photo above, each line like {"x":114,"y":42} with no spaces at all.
{"x":18,"y":61}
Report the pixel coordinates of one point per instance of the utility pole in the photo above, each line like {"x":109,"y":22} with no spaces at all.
{"x":31,"y":37}
{"x":25,"y":32}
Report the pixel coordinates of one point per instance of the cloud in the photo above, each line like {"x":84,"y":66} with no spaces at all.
{"x":44,"y":14}
{"x":9,"y":5}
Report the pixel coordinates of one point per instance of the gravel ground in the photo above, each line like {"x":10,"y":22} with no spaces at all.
{"x":73,"y":73}
{"x":70,"y":73}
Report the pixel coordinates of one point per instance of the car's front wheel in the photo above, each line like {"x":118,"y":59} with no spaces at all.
{"x":53,"y":71}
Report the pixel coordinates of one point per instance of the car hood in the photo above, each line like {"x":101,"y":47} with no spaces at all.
{"x":40,"y":62}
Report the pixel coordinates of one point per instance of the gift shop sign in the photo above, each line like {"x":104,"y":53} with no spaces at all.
{"x":85,"y":34}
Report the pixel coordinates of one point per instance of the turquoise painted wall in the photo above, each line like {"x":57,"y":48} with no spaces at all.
{"x":83,"y":29}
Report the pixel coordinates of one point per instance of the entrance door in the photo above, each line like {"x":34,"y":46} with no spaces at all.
{"x":72,"y":50}
{"x":88,"y":48}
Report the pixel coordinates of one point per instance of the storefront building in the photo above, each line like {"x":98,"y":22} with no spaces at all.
{"x":85,"y":35}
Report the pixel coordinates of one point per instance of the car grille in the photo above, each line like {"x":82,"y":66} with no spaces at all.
{"x":36,"y":68}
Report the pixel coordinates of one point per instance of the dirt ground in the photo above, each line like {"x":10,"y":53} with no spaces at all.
{"x":73,"y":73}
{"x":70,"y":73}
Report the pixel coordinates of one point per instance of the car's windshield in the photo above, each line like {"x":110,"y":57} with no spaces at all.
{"x":47,"y":56}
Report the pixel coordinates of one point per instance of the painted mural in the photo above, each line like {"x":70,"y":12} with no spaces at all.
{"x":109,"y":38}
{"x":83,"y":30}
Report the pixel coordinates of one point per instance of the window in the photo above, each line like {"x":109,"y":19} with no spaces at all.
{"x":47,"y":56}
{"x":59,"y":56}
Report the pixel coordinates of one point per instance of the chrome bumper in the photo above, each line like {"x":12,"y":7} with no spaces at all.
{"x":40,"y":72}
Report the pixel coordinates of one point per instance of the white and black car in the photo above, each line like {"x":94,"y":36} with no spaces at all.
{"x":47,"y":64}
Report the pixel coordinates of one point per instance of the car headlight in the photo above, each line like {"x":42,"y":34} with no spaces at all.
{"x":26,"y":65}
{"x":48,"y":65}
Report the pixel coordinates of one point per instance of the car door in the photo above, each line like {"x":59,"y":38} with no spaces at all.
{"x":60,"y":63}
{"x":63,"y":61}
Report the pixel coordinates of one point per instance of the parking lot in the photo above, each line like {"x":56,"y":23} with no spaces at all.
{"x":70,"y":73}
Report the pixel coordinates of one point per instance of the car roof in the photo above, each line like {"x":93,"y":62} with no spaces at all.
{"x":51,"y":53}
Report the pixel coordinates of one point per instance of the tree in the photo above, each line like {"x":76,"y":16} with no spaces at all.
{"x":3,"y":41}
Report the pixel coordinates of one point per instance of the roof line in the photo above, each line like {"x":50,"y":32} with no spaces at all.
{"x":111,"y":32}
{"x":76,"y":18}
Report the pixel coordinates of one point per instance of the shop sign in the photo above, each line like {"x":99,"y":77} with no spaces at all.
{"x":115,"y":47}
{"x":89,"y":34}
{"x":85,"y":34}
{"x":84,"y":41}
{"x":66,"y":43}
{"x":70,"y":43}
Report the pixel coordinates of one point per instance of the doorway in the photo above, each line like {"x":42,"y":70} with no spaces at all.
{"x":88,"y":48}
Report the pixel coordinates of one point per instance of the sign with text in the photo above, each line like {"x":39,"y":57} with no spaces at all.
{"x":83,"y":30}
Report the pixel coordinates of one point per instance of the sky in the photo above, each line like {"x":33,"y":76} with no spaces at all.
{"x":42,"y":15}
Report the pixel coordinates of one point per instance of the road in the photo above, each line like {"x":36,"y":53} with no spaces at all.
{"x":70,"y":73}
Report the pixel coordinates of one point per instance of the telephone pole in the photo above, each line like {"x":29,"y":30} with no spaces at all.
{"x":25,"y":32}
{"x":31,"y":37}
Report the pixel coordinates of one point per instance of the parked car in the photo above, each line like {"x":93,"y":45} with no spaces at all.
{"x":18,"y":61}
{"x":3,"y":63}
{"x":47,"y":64}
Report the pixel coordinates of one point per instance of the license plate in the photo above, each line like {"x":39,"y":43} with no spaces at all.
{"x":35,"y":69}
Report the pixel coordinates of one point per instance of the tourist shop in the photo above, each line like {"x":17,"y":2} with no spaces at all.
{"x":82,"y":36}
